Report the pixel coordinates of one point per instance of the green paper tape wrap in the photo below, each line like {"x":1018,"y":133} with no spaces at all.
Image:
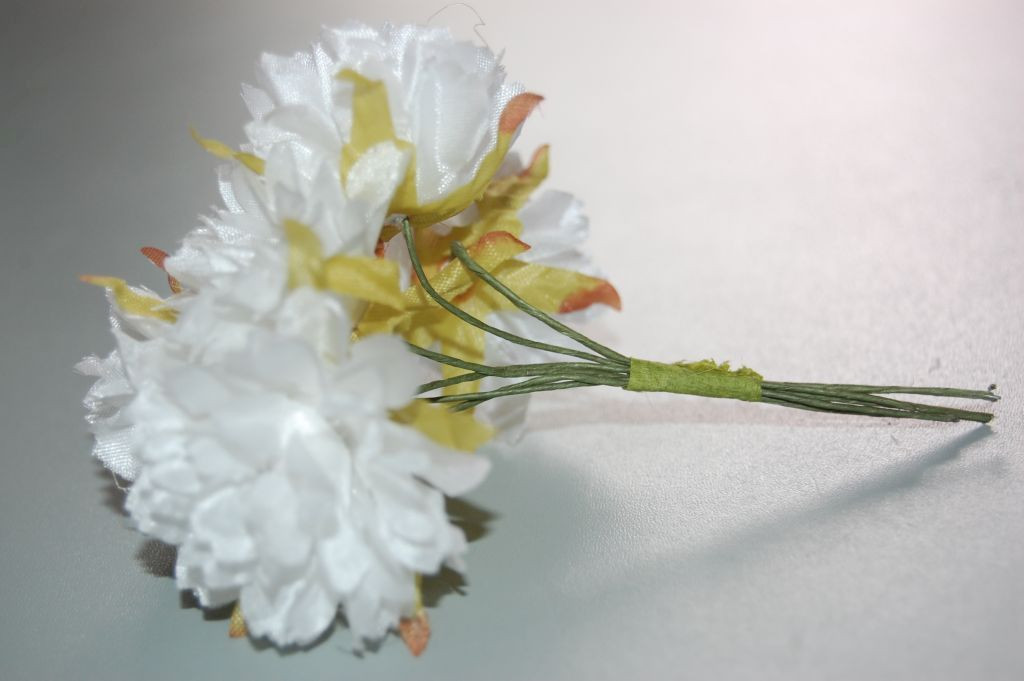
{"x":705,"y":378}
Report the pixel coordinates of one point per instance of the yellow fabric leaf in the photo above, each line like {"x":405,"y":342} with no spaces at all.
{"x":497,"y":212}
{"x":221,"y":150}
{"x":465,"y":341}
{"x":511,"y":192}
{"x":131,"y":301}
{"x":550,"y":289}
{"x":236,"y":625}
{"x":490,"y":251}
{"x":374,"y":280}
{"x":379,"y":319}
{"x":458,"y":430}
{"x":371,"y":125}
{"x":305,"y":256}
{"x":419,"y":319}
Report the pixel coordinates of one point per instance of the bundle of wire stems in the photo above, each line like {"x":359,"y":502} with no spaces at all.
{"x":600,"y":365}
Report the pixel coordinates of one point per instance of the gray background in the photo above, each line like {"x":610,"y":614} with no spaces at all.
{"x":820,"y":191}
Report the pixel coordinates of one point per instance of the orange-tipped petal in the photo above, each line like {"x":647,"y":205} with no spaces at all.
{"x":516,"y":111}
{"x":489,"y":251}
{"x":236,"y":625}
{"x":602,"y":293}
{"x":154,"y":255}
{"x":132,"y":301}
{"x":157,"y":257}
{"x":538,"y":162}
{"x":495,"y":248}
{"x":415,"y":632}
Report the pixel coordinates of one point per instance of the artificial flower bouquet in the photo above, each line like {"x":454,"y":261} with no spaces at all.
{"x":383,"y":287}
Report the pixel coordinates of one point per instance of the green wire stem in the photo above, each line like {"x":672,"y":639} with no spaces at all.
{"x":610,"y":368}
{"x":473,"y":321}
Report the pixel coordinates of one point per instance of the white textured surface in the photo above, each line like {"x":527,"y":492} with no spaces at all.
{"x":823,"y":193}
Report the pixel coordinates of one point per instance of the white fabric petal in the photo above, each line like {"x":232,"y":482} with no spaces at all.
{"x":383,"y":370}
{"x":104,"y":404}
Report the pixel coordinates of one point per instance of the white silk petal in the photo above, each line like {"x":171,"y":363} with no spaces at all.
{"x":104,"y":404}
{"x":383,"y":371}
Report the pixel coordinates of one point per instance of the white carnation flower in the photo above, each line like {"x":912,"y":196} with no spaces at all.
{"x":260,"y":441}
{"x":445,"y":99}
{"x":283,"y":480}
